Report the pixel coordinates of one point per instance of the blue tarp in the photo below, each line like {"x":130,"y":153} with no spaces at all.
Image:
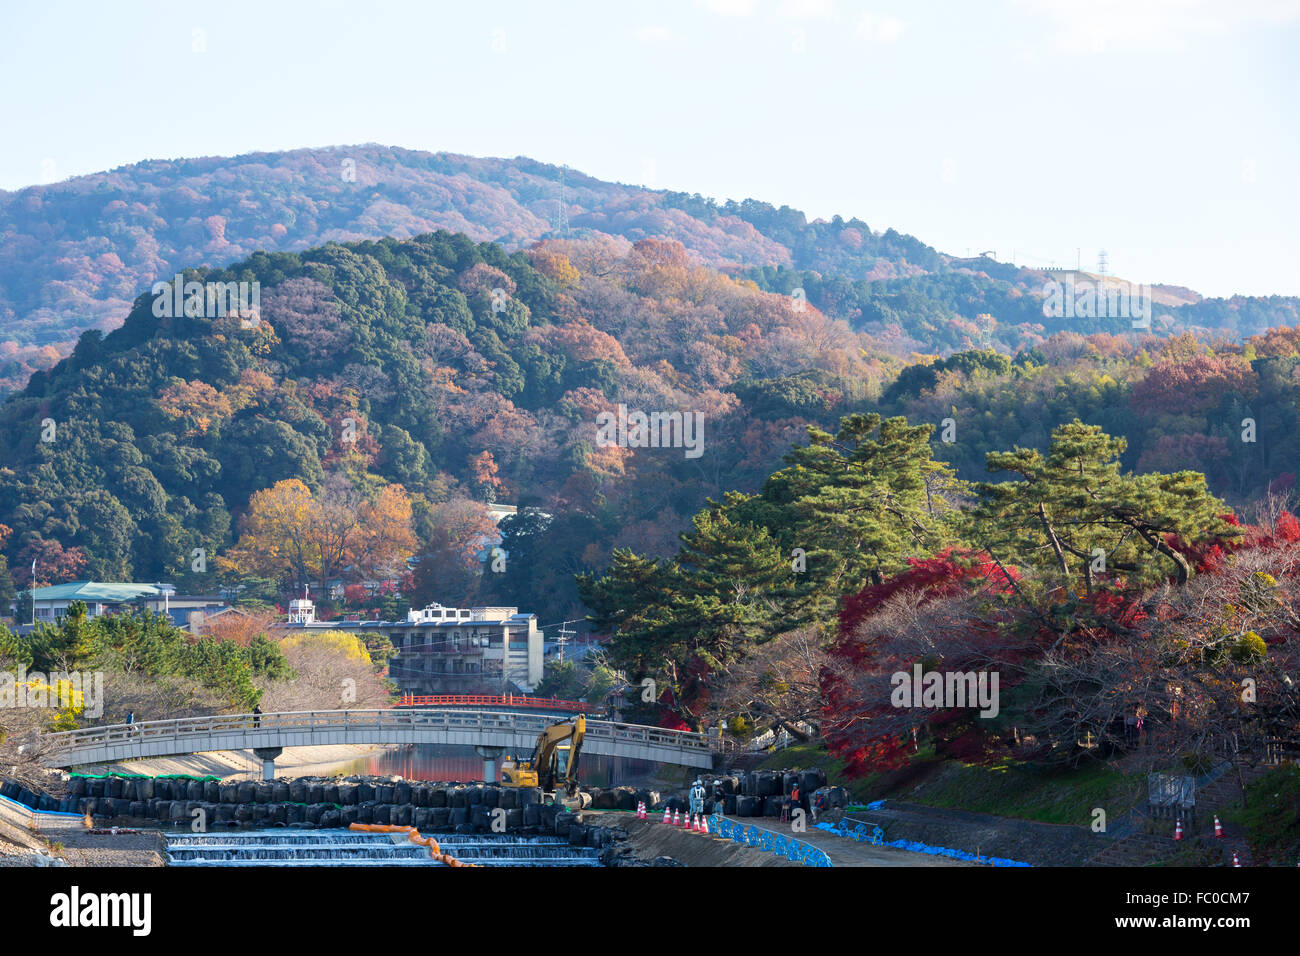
{"x":912,"y":846}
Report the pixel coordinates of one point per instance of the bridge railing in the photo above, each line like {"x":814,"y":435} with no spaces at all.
{"x":387,"y":718}
{"x":492,"y":700}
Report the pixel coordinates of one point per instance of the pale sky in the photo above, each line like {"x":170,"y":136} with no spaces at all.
{"x":1163,"y":131}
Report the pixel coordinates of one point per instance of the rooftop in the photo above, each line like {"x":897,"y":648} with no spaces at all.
{"x":100,"y":591}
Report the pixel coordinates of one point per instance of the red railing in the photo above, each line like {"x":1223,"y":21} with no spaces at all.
{"x":491,"y":700}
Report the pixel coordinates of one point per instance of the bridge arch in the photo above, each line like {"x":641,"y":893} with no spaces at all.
{"x":515,"y":732}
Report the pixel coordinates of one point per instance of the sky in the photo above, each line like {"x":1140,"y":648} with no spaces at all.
{"x":1161,"y":131}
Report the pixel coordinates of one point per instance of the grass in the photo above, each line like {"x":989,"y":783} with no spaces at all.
{"x":1015,"y":790}
{"x":1007,"y":789}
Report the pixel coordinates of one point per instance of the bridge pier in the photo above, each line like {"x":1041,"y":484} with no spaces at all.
{"x":267,"y":755}
{"x":489,"y":755}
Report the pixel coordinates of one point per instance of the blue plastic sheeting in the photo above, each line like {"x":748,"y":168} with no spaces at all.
{"x":48,"y":813}
{"x":875,"y":836}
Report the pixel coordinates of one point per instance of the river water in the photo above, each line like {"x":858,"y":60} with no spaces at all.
{"x":294,"y":847}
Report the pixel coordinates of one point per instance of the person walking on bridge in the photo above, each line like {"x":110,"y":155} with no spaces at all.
{"x":257,"y":716}
{"x":130,"y":717}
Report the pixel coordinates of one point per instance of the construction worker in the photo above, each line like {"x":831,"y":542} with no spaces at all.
{"x":794,"y":800}
{"x":697,"y":797}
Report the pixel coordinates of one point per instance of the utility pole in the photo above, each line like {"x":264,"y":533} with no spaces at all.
{"x":563,"y":639}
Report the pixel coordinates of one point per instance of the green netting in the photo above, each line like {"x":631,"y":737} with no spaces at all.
{"x":145,"y":776}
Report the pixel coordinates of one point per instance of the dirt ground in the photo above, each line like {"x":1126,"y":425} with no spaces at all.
{"x":650,"y":838}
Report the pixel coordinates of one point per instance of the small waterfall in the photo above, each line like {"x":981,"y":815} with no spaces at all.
{"x":296,"y":848}
{"x":502,"y":849}
{"x":281,"y":847}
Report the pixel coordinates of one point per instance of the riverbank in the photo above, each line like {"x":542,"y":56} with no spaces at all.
{"x":243,"y":765}
{"x":650,"y":838}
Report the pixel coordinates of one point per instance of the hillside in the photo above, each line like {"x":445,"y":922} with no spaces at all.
{"x":398,"y":362}
{"x":74,"y":255}
{"x":464,"y":373}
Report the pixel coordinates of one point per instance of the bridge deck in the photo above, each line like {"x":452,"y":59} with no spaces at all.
{"x":516,"y":732}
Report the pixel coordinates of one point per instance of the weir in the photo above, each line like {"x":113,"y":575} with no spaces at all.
{"x":280,"y":847}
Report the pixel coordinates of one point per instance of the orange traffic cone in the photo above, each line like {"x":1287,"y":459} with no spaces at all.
{"x":677,"y":820}
{"x":1235,"y":861}
{"x":699,"y":823}
{"x":667,"y":816}
{"x":1218,"y":828}
{"x":1178,"y":831}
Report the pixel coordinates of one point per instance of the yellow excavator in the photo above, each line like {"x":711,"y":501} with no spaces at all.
{"x":554,"y":764}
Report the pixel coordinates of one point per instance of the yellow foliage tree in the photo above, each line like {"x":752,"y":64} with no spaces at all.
{"x":289,"y":532}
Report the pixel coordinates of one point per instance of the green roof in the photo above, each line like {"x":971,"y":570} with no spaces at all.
{"x":96,"y":591}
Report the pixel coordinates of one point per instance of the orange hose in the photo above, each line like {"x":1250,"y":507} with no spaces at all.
{"x":413,"y":835}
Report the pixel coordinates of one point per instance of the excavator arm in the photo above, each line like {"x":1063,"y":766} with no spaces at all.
{"x":540,"y":771}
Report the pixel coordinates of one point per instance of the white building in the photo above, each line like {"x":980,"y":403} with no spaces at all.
{"x":445,"y":650}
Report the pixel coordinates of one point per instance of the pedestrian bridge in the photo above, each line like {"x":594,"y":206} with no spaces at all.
{"x":492,"y":731}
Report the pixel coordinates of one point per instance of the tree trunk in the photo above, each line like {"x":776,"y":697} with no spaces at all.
{"x":1183,"y":569}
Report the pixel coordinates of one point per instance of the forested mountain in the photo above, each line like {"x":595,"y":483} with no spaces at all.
{"x":459,"y":371}
{"x":410,"y":381}
{"x":74,"y":255}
